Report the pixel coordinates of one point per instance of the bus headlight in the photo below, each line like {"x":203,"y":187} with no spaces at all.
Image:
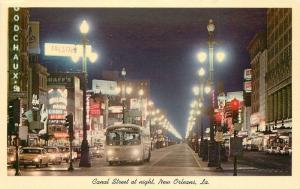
{"x":110,"y":152}
{"x":135,"y":152}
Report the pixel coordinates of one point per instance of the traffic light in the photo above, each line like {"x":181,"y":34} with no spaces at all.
{"x":13,"y":115}
{"x":235,"y":105}
{"x":69,"y":125}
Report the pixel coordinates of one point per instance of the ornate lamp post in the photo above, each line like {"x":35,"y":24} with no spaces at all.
{"x":85,"y":158}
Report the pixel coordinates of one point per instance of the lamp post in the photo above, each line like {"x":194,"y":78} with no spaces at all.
{"x":124,"y":90}
{"x":84,"y":158}
{"x":141,"y":93}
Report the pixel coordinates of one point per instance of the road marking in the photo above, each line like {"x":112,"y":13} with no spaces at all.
{"x":194,"y":157}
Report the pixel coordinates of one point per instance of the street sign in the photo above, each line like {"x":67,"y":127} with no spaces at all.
{"x":219,"y":136}
{"x":237,"y":126}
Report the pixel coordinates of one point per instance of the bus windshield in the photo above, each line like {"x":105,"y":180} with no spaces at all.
{"x":118,"y":137}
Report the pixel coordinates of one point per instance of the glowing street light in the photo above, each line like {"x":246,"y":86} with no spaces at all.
{"x":196,"y":90}
{"x":201,"y":56}
{"x":220,"y":56}
{"x":201,"y":72}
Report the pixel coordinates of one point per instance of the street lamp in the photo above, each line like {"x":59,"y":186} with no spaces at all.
{"x":141,"y":93}
{"x":209,"y":89}
{"x":85,"y":158}
{"x":124,"y":90}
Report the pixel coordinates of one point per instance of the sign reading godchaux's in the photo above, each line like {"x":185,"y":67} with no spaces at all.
{"x":14,"y":49}
{"x":69,"y":50}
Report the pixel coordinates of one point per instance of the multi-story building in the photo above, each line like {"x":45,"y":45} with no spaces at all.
{"x":279,"y":75}
{"x":18,"y":69}
{"x":257,"y":50}
{"x":64,"y":97}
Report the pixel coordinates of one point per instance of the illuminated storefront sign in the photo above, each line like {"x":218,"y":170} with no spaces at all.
{"x":247,"y":74}
{"x":57,"y":105}
{"x":14,"y":49}
{"x":247,"y":86}
{"x":115,"y":109}
{"x":58,"y":49}
{"x":94,"y":109}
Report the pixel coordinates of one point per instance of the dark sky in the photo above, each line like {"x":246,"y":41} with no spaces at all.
{"x":155,"y":44}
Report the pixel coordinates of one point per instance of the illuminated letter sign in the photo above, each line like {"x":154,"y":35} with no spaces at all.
{"x":69,"y":50}
{"x":14,"y":50}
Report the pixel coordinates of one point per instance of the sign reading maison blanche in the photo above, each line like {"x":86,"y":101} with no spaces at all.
{"x":59,"y":49}
{"x":14,"y":49}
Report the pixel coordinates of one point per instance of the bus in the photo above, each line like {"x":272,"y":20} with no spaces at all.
{"x":127,"y":143}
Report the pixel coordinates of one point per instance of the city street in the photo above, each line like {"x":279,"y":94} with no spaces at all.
{"x":176,"y":160}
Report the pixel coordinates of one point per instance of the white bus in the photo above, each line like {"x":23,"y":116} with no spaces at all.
{"x":127,"y":143}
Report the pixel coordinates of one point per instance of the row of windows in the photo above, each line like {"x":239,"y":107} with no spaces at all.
{"x":283,"y":57}
{"x":280,"y":104}
{"x":279,"y":19}
{"x":276,"y":45}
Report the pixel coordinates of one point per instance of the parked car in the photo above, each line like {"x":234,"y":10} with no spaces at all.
{"x":286,"y":151}
{"x":65,"y":151}
{"x":33,"y":156}
{"x":97,"y":151}
{"x":11,"y":155}
{"x":270,"y":150}
{"x":55,"y":156}
{"x":277,"y":150}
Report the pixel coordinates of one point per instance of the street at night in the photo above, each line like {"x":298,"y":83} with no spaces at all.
{"x":176,"y":160}
{"x":149,"y":92}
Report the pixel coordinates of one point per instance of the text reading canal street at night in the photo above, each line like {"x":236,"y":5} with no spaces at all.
{"x":150,"y":181}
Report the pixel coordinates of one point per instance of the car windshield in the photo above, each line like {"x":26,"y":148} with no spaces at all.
{"x":51,"y":150}
{"x":31,"y":151}
{"x":123,"y":137}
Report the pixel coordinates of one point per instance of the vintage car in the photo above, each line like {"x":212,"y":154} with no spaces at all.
{"x":55,"y":156}
{"x":33,"y":156}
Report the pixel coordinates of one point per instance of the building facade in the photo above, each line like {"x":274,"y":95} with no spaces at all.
{"x":279,"y":75}
{"x":64,"y":97}
{"x":257,"y":50}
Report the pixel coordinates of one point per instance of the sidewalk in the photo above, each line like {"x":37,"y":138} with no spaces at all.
{"x":226,"y":166}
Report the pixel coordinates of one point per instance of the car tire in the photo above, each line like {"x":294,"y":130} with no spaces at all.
{"x":39,"y":165}
{"x":110,"y":163}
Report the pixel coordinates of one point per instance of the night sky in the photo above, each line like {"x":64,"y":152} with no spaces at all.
{"x":155,"y":44}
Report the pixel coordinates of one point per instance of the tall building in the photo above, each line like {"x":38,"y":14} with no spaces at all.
{"x":257,"y":50}
{"x":279,"y":75}
{"x":18,"y":68}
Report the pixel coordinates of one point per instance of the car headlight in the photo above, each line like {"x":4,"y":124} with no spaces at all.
{"x":52,"y":156}
{"x":12,"y":159}
{"x":36,"y":159}
{"x":98,"y":151}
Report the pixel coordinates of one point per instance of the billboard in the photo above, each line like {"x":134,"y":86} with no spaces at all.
{"x":104,"y":87}
{"x":34,"y":37}
{"x":247,"y":74}
{"x":60,"y":49}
